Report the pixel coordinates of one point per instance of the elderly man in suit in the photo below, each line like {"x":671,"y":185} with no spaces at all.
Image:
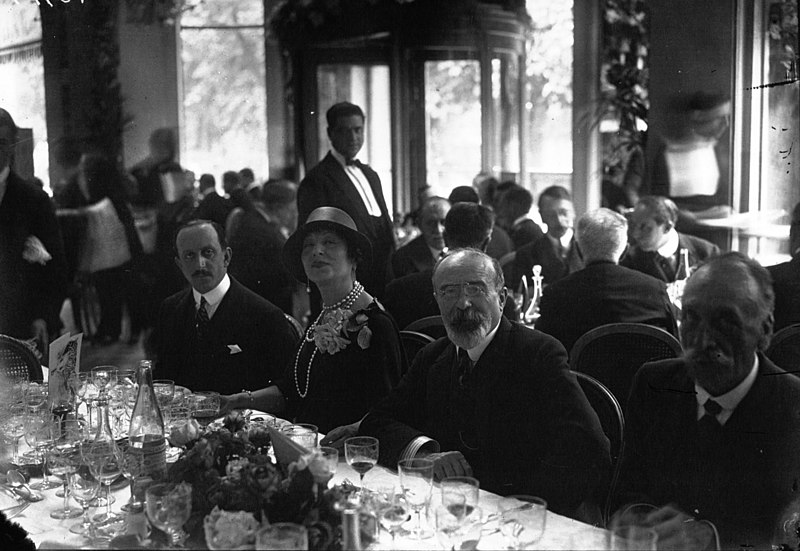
{"x":493,"y":399}
{"x":217,"y":334}
{"x":422,"y":252}
{"x":33,"y":269}
{"x":341,"y":181}
{"x":603,"y":292}
{"x":716,"y":433}
{"x":555,"y":251}
{"x":658,"y":249}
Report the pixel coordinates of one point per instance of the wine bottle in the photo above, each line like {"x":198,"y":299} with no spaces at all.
{"x":146,"y":434}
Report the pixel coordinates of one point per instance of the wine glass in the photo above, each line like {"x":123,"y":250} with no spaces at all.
{"x":84,"y":487}
{"x":132,"y":467}
{"x":304,"y":434}
{"x":205,"y":407}
{"x":64,"y":457}
{"x":164,"y":390}
{"x":522,"y":520}
{"x":35,"y":396}
{"x":105,"y":462}
{"x":361,"y":453}
{"x":13,"y":426}
{"x":454,"y":488}
{"x":393,"y":515}
{"x":169,"y":506}
{"x":416,"y":480}
{"x":41,"y":436}
{"x":104,"y":377}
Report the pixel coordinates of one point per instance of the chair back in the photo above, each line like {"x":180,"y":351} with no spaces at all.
{"x":784,"y":349}
{"x":18,"y":361}
{"x":430,"y":325}
{"x":612,"y":420}
{"x":613,"y":353}
{"x":413,"y":342}
{"x":298,"y":328}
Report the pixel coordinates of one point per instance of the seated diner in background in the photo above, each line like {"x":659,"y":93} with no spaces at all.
{"x":714,"y":436}
{"x":351,"y":356}
{"x":494,"y":399}
{"x":217,"y":334}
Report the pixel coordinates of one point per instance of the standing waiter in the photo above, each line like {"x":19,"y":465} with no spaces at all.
{"x":340,"y":180}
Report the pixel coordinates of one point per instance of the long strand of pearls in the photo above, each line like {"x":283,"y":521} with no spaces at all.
{"x":345,"y":304}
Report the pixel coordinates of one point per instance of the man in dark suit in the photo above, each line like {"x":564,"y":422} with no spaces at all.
{"x":603,"y":292}
{"x":493,"y":399}
{"x":33,"y":269}
{"x":716,"y":433}
{"x":341,"y":181}
{"x":212,"y":206}
{"x":422,"y":252}
{"x":513,"y":206}
{"x":786,"y":279}
{"x":409,"y":298}
{"x":218,"y":335}
{"x":555,"y":252}
{"x":657,"y":248}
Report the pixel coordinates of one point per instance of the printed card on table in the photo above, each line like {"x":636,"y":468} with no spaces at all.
{"x":65,"y":361}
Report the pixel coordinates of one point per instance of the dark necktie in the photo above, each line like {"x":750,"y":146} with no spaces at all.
{"x":201,"y":318}
{"x":667,"y":266}
{"x":464,"y":366}
{"x":709,"y":426}
{"x":351,"y":162}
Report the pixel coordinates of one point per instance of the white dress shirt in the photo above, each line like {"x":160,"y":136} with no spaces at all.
{"x":730,"y":399}
{"x":213,"y":297}
{"x":361,"y":184}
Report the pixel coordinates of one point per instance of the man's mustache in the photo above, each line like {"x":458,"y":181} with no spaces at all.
{"x":201,"y":273}
{"x":466,"y":320}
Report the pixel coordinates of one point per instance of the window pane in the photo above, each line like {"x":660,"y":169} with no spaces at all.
{"x":223,"y":12}
{"x":505,"y":101}
{"x":452,"y":123}
{"x":368,"y":87}
{"x":224,"y":98}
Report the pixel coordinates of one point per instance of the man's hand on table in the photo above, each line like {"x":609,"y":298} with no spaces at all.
{"x":336,"y":437}
{"x":446,"y":464}
{"x":677,"y":530}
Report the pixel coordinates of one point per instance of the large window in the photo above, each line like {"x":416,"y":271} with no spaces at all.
{"x":224,"y":123}
{"x":22,"y":83}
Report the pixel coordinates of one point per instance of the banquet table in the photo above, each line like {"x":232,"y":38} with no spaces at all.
{"x":560,"y":532}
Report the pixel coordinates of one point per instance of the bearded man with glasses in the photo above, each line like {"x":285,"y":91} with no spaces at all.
{"x":493,"y":399}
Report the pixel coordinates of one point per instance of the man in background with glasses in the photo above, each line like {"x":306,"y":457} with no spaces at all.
{"x":494,"y":399}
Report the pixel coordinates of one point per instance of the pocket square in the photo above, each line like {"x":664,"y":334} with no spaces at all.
{"x":234,"y":348}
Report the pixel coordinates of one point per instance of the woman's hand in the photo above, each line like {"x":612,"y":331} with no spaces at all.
{"x":336,"y":437}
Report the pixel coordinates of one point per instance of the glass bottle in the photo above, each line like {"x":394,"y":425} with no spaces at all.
{"x":532,"y":312}
{"x":146,"y":434}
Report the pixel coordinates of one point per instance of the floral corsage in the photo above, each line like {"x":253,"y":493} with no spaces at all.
{"x":339,"y":327}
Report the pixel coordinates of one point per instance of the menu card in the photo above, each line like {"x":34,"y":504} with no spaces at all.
{"x":64,"y":364}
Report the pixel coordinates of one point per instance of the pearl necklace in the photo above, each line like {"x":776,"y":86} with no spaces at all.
{"x":345,"y":304}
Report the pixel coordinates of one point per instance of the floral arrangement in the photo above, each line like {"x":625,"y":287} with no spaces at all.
{"x":228,"y":473}
{"x":338,"y":328}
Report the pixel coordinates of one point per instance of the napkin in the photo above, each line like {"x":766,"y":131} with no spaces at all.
{"x":286,"y":450}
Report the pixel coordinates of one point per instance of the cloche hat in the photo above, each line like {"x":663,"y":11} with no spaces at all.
{"x":325,"y":218}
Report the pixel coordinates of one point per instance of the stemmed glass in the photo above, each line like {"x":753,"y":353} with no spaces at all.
{"x":165,"y":391}
{"x":169,"y":506}
{"x":416,"y":480}
{"x":12,"y":427}
{"x":35,"y":396}
{"x":522,"y":520}
{"x":394,"y":515}
{"x":105,"y":462}
{"x":205,"y":407}
{"x":132,"y":467}
{"x":41,"y":436}
{"x":84,"y":488}
{"x":104,"y":377}
{"x":361,"y":453}
{"x":64,"y":459}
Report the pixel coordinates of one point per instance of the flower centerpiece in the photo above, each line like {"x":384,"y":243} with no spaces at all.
{"x":236,"y":485}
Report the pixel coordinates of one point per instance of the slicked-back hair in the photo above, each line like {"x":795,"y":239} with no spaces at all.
{"x":553,"y":192}
{"x":661,"y":209}
{"x":468,"y":225}
{"x":725,"y":262}
{"x":602,"y":235}
{"x":498,"y":281}
{"x":342,"y":109}
{"x":463,"y":194}
{"x":517,"y":200}
{"x":223,"y":242}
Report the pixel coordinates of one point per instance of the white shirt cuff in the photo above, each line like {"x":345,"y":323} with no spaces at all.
{"x":413,"y":447}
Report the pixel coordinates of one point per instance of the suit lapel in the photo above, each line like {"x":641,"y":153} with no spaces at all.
{"x":342,"y":182}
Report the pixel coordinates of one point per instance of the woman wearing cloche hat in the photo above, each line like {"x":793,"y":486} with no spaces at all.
{"x":351,"y":355}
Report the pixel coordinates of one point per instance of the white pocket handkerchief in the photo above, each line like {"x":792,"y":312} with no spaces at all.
{"x":234,"y":348}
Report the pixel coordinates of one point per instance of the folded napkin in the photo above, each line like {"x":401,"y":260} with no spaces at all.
{"x":286,"y":450}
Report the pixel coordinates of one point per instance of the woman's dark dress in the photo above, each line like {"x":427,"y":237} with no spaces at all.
{"x":345,"y":385}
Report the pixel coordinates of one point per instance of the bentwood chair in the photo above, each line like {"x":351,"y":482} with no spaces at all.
{"x":784,"y":349}
{"x":430,"y":325}
{"x":612,"y":420}
{"x":18,"y":361}
{"x":413,"y":342}
{"x":613,"y":353}
{"x":296,"y":326}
